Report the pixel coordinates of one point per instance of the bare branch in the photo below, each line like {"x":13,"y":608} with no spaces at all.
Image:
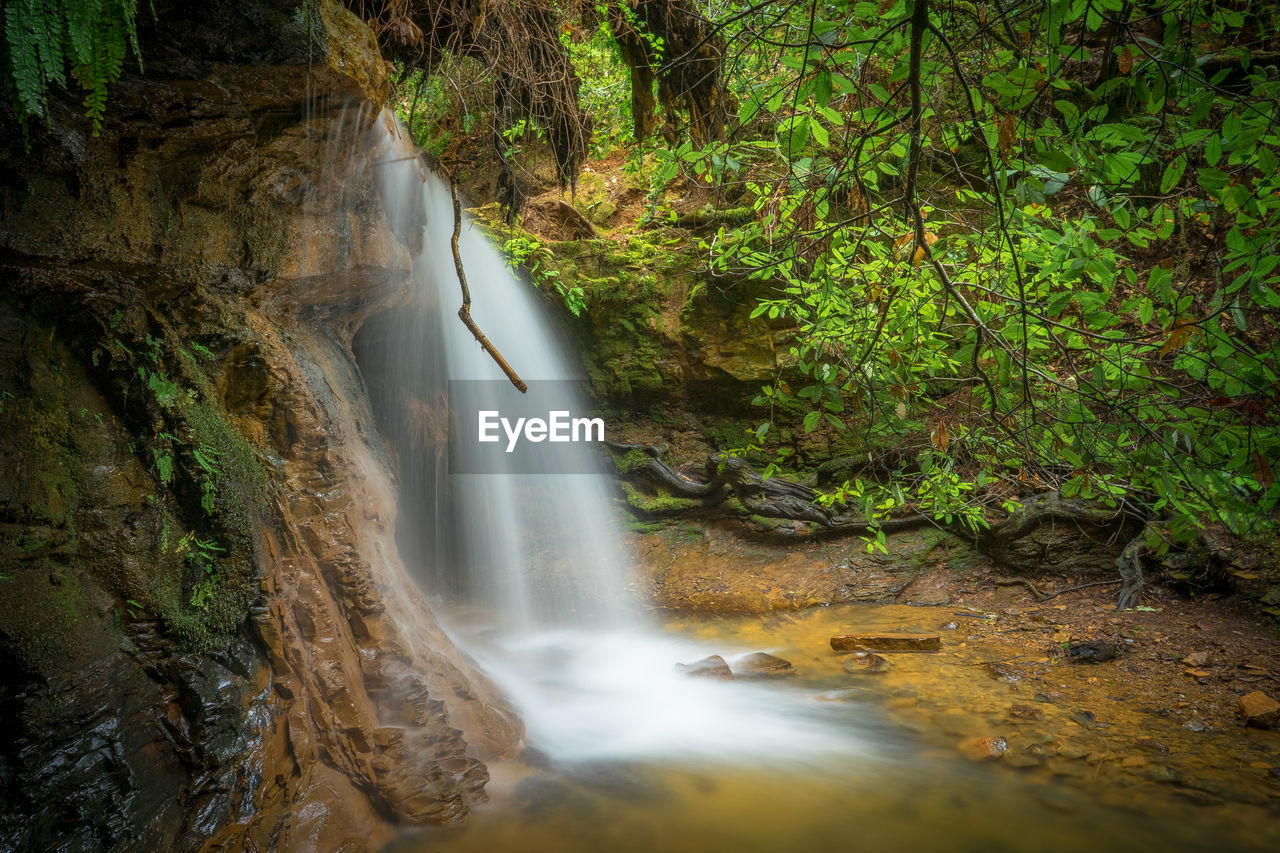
{"x":464,"y":313}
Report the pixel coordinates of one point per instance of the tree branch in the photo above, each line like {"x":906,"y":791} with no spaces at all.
{"x":464,"y":313}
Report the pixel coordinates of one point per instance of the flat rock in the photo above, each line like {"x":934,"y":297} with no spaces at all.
{"x":883,"y":642}
{"x":712,"y":666}
{"x":1259,"y":710}
{"x":1196,"y":659}
{"x":762,"y":665}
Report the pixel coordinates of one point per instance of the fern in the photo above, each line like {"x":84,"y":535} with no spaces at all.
{"x":42,"y":38}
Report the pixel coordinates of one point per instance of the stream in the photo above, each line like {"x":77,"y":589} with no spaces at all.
{"x":628,"y":755}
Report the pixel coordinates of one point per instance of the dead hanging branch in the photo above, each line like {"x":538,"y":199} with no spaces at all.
{"x":464,"y":313}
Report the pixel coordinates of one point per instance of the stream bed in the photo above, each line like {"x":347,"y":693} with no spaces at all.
{"x":992,"y":743}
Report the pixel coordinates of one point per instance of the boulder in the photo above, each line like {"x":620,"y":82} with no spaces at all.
{"x":762,"y":665}
{"x":712,"y":666}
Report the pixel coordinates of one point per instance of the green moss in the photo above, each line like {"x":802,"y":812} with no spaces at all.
{"x":205,"y":594}
{"x":662,"y":503}
{"x":630,"y":461}
{"x":207,"y":504}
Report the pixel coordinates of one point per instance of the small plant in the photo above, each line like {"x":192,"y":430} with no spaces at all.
{"x":528,"y":253}
{"x":201,"y":555}
{"x":207,"y":458}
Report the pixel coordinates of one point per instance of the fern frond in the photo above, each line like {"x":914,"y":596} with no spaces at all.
{"x":43,"y":37}
{"x":24,"y":54}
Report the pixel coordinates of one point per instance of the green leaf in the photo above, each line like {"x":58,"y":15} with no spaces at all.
{"x":1173,"y":174}
{"x":822,"y":87}
{"x":1213,"y":150}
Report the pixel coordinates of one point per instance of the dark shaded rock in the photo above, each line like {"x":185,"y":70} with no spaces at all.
{"x":1025,"y":712}
{"x":712,"y":666}
{"x":163,"y":300}
{"x":1091,"y":651}
{"x":762,"y":665}
{"x":1149,"y":744}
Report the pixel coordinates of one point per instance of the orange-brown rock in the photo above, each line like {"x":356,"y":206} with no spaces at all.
{"x":887,"y":642}
{"x":1259,"y":710}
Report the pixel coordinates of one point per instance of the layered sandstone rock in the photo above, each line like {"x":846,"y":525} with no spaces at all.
{"x":208,"y":635}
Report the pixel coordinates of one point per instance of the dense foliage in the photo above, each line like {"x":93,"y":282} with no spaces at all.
{"x":1023,"y":246}
{"x":1043,"y":235}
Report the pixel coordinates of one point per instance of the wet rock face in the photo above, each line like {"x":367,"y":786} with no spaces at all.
{"x":206,"y":635}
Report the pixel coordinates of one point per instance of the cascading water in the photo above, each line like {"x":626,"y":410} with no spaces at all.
{"x":531,"y":557}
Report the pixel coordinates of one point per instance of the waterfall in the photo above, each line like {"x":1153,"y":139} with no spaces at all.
{"x":511,"y":532}
{"x":529,"y":559}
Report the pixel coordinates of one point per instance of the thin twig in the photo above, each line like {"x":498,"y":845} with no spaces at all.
{"x":1082,"y":586}
{"x":464,"y":313}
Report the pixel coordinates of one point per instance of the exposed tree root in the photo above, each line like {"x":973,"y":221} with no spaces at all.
{"x":779,"y":498}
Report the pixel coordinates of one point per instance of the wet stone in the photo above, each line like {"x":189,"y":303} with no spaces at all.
{"x":1161,"y":773}
{"x":989,"y":748}
{"x":1023,"y":759}
{"x":861,"y":662}
{"x":762,"y":665}
{"x":1149,"y":744}
{"x":1004,"y":672}
{"x":1025,"y":712}
{"x":1072,"y":751}
{"x":1092,"y":651}
{"x":712,"y":666}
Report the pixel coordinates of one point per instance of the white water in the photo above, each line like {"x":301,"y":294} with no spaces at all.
{"x":545,"y":578}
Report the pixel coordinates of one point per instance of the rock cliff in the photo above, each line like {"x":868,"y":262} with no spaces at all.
{"x":207,"y":638}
